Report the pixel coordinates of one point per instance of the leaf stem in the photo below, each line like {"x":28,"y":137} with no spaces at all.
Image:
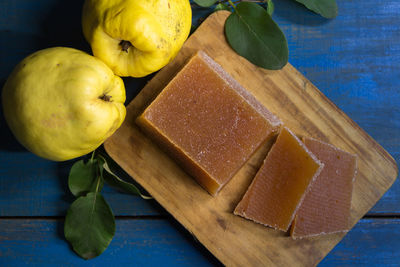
{"x":98,"y":183}
{"x":94,"y":151}
{"x":98,"y":174}
{"x":232,"y":4}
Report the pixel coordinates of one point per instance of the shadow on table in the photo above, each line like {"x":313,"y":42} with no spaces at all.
{"x":58,"y":25}
{"x":63,"y":168}
{"x":7,"y":139}
{"x":192,"y":239}
{"x":61,"y":26}
{"x":134,"y":85}
{"x":62,"y":172}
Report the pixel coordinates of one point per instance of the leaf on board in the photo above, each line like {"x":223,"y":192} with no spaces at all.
{"x":326,"y":8}
{"x":253,"y":34}
{"x":205,"y":3}
{"x":83,"y":177}
{"x":116,"y":182}
{"x":89,"y":225}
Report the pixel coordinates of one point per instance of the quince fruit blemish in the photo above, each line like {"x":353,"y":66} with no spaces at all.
{"x":61,"y":103}
{"x":136,"y":37}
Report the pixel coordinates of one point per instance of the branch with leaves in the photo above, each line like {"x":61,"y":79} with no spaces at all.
{"x":90,"y":223}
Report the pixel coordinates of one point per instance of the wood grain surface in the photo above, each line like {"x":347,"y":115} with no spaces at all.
{"x":301,"y":106}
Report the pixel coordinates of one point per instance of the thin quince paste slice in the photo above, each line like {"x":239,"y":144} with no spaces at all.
{"x":281,"y":183}
{"x":208,"y":122}
{"x":326,"y":207}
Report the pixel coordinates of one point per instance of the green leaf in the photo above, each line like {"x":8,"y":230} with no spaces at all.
{"x":326,"y":8}
{"x":253,"y":34}
{"x":114,"y":181}
{"x":205,"y":3}
{"x":222,"y":6}
{"x":83,"y":177}
{"x":89,"y":225}
{"x":270,"y":7}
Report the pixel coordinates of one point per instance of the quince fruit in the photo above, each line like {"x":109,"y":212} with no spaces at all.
{"x":61,"y":103}
{"x":136,"y":37}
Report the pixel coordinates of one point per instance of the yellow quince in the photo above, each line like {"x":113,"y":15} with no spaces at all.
{"x":136,"y":37}
{"x":61,"y":103}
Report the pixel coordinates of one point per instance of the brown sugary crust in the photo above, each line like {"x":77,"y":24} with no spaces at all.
{"x":273,"y":120}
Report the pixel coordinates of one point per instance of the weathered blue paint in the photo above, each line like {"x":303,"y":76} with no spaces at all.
{"x":353,"y":59}
{"x":136,"y":243}
{"x":373,"y":242}
{"x":31,"y":186}
{"x":161,"y":242}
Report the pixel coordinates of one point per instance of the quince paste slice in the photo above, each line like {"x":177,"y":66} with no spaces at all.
{"x":281,"y":183}
{"x":326,"y":207}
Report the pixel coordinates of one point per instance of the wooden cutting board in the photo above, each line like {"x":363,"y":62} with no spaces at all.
{"x":301,"y":106}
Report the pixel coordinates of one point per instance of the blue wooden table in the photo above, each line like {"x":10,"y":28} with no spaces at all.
{"x":353,"y":59}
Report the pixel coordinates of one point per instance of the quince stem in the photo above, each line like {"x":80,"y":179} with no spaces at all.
{"x":125,"y":45}
{"x":105,"y":97}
